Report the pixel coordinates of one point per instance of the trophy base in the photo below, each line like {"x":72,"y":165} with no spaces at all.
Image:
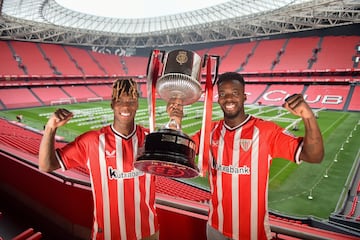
{"x":168,"y":153}
{"x":166,"y":169}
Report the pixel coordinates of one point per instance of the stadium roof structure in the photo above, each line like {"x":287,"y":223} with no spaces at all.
{"x":48,"y":21}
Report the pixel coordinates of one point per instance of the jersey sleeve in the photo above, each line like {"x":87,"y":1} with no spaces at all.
{"x":286,"y":145}
{"x":74,"y":154}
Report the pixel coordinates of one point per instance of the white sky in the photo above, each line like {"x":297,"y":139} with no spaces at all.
{"x":136,"y":8}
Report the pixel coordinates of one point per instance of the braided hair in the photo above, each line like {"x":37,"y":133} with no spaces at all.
{"x":124,"y":86}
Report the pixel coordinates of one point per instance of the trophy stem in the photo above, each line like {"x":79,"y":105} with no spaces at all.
{"x":172,"y":124}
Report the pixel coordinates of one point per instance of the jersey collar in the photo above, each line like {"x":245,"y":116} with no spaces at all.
{"x":122,"y":135}
{"x":238,"y":126}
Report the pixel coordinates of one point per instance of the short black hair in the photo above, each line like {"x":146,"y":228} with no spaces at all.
{"x":230,"y":76}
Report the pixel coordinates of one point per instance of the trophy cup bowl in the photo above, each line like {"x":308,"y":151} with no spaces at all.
{"x":169,"y":152}
{"x":177,"y":85}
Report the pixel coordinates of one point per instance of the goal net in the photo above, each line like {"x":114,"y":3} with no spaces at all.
{"x":95,"y":99}
{"x":63,"y":101}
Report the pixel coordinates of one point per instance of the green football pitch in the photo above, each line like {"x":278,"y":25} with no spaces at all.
{"x":298,"y":190}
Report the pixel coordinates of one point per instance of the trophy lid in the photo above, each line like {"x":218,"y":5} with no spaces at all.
{"x":180,"y":77}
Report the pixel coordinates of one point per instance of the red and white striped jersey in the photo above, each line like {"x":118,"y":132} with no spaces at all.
{"x":124,"y":197}
{"x":238,"y":174}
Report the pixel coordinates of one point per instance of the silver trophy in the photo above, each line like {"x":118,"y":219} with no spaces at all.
{"x":169,"y":151}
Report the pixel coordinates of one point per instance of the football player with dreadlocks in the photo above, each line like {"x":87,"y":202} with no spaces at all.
{"x":124,"y":197}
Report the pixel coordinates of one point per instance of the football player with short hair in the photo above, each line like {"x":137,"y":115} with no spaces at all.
{"x":241,"y":150}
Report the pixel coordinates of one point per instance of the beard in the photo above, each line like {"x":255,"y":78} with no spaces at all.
{"x":231,"y":114}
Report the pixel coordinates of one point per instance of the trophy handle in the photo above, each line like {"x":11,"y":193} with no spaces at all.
{"x":204,"y":147}
{"x":154,"y":66}
{"x":216,"y":71}
{"x":216,"y":60}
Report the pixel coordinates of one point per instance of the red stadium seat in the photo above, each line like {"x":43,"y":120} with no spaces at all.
{"x":24,"y":235}
{"x":35,"y":236}
{"x":353,"y":207}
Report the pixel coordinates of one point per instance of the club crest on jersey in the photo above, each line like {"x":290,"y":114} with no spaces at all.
{"x":245,"y":144}
{"x":215,"y":143}
{"x":109,"y":154}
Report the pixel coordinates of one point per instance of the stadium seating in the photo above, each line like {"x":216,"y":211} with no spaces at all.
{"x":302,"y":79}
{"x":253,"y":92}
{"x":49,"y":95}
{"x":354,"y":104}
{"x":20,"y":138}
{"x":276,"y":94}
{"x":135,"y":66}
{"x":28,"y":234}
{"x":80,"y":93}
{"x":237,"y":58}
{"x":266,"y":61}
{"x":296,"y":54}
{"x":264,"y":56}
{"x":9,"y":66}
{"x":85,"y":62}
{"x":60,"y":60}
{"x":178,"y":189}
{"x":336,"y":53}
{"x":327,"y":96}
{"x":110,"y":63}
{"x":103,"y":91}
{"x":18,"y":98}
{"x":32,"y":59}
{"x":202,"y":52}
{"x":143,"y":90}
{"x":220,"y":51}
{"x":353,"y":207}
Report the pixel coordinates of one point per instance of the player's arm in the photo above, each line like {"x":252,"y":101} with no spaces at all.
{"x":47,"y":158}
{"x":313,"y":147}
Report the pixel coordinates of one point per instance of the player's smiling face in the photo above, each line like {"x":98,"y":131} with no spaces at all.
{"x":231,"y":98}
{"x":125,"y":107}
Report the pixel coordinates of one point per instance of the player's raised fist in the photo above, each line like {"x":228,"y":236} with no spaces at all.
{"x":298,"y":106}
{"x":60,"y":117}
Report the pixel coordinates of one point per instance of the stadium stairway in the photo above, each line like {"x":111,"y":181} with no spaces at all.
{"x":18,"y":59}
{"x":349,"y":98}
